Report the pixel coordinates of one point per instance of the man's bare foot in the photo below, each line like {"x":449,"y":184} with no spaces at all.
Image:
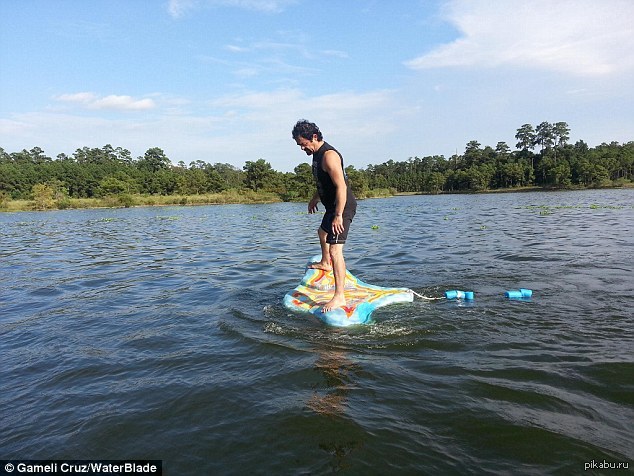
{"x":334,"y":303}
{"x":321,"y":265}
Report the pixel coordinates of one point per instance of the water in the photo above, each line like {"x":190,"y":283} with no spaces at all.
{"x":159,"y":333}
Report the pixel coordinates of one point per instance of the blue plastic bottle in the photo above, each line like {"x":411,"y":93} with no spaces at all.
{"x":456,"y":294}
{"x":522,"y":293}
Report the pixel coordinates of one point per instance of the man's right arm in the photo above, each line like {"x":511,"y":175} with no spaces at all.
{"x":312,"y":205}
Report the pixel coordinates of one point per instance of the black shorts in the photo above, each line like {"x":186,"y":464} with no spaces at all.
{"x":326,"y":225}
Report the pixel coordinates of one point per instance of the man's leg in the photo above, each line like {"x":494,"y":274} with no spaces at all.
{"x":339,"y":270}
{"x":325,"y":262}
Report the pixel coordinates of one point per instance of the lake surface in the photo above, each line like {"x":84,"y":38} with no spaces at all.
{"x":160,"y":333}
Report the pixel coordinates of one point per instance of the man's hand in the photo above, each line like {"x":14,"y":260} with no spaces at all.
{"x":337,"y":225}
{"x":312,"y":205}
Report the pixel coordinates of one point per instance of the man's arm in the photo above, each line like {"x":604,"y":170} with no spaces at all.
{"x":312,"y":205}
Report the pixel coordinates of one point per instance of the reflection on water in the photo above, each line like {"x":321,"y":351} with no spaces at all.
{"x":336,"y":371}
{"x":161,"y":333}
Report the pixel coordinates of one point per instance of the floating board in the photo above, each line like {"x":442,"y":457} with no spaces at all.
{"x":317,"y":288}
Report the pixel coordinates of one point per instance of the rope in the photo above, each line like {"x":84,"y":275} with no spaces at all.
{"x":425,"y":297}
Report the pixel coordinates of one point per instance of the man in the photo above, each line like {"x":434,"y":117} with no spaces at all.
{"x":334,"y":192}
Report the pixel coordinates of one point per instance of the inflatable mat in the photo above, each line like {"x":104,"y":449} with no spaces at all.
{"x":317,"y":288}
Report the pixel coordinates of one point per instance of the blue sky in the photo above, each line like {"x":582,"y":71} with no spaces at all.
{"x":225,"y":80}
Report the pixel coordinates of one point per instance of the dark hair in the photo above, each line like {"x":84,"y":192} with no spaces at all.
{"x":306,"y":129}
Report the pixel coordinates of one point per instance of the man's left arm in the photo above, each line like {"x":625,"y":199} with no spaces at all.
{"x":332,"y":165}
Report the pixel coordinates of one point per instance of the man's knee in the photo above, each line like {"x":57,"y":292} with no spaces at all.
{"x":336,"y":251}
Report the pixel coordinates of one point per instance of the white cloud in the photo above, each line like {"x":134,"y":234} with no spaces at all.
{"x":177,"y":8}
{"x":124,"y":103}
{"x":274,"y":64}
{"x":335,"y":53}
{"x":579,"y":37}
{"x":246,"y":72}
{"x":287,"y":55}
{"x":236,"y":49}
{"x":367,"y":127}
{"x":259,"y":5}
{"x":258,"y":100}
{"x":14,"y":128}
{"x":82,"y":98}
{"x":112,"y":102}
{"x":232,"y":128}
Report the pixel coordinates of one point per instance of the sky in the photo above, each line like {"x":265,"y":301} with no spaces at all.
{"x":226,"y":80}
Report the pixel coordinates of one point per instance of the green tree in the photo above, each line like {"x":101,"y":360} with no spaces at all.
{"x":434,"y":182}
{"x":358,"y":181}
{"x":38,"y":156}
{"x":558,"y":173}
{"x":232,"y":177}
{"x":545,"y":136}
{"x":214,"y":181}
{"x":112,"y":186}
{"x":154,"y":160}
{"x":480,"y":178}
{"x":502,"y":157}
{"x":4,"y":157}
{"x":512,"y":174}
{"x":42,"y":196}
{"x":194,"y":182}
{"x":33,"y":156}
{"x":259,"y":174}
{"x":45,"y":195}
{"x":600,"y":175}
{"x":473,"y":155}
{"x":526,"y":137}
{"x":302,"y":182}
{"x":626,"y":161}
{"x":561,"y":133}
{"x":117,"y":184}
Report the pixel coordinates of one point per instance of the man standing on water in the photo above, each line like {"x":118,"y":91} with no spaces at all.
{"x":333,"y":190}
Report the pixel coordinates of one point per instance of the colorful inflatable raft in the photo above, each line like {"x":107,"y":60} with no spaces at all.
{"x":317,"y":288}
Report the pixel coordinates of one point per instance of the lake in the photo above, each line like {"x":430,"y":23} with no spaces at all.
{"x":159,"y":333}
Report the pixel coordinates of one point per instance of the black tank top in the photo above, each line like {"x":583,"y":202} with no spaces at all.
{"x":325,"y":186}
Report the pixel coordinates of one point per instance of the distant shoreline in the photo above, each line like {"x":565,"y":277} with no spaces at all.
{"x":517,"y":190}
{"x":232,"y":198}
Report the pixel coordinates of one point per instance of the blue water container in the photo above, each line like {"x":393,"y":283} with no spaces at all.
{"x":456,"y":294}
{"x":515,"y":294}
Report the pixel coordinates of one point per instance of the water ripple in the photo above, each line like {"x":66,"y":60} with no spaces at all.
{"x":160,"y":333}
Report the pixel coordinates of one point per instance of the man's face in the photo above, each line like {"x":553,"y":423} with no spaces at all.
{"x":308,"y":146}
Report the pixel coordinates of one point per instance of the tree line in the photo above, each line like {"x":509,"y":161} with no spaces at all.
{"x":542,"y":157}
